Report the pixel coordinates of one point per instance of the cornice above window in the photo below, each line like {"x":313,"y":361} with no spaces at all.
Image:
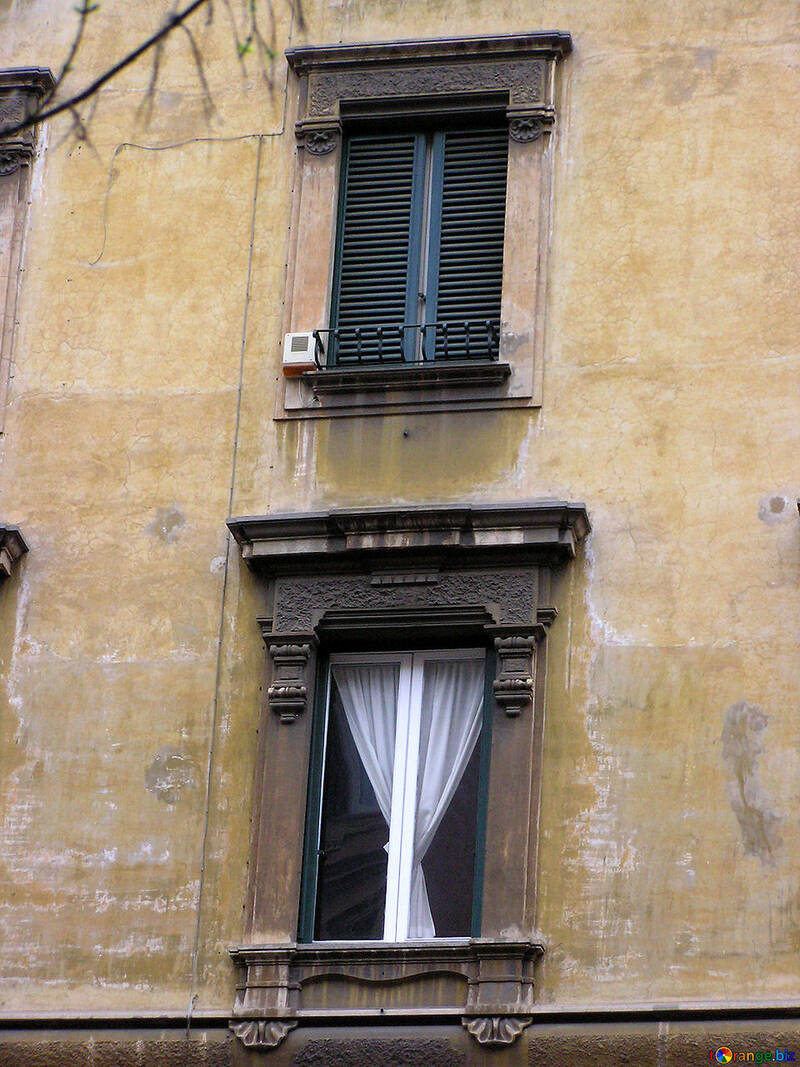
{"x":548,"y":530}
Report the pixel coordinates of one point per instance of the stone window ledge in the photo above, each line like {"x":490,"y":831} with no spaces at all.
{"x":484,"y":982}
{"x":369,"y":379}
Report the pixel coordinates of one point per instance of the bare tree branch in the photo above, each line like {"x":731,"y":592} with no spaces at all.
{"x":68,"y":105}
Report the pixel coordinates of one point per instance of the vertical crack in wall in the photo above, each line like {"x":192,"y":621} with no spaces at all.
{"x":742,"y":745}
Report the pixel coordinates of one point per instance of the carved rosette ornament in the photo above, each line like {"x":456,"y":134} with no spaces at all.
{"x":318,"y":138}
{"x":320,"y":142}
{"x":262,"y":1033}
{"x":526,"y":125}
{"x":525,"y":129}
{"x":496,"y":1030}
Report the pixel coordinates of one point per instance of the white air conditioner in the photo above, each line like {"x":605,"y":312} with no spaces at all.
{"x":298,"y":352}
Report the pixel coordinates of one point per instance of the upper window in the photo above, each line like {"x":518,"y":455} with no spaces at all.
{"x":391,"y":838}
{"x":419,"y":256}
{"x":416,"y":271}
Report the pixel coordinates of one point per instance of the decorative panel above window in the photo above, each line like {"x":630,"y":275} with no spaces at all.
{"x":416,"y":271}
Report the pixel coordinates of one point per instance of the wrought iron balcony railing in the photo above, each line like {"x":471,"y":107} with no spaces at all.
{"x":473,"y":340}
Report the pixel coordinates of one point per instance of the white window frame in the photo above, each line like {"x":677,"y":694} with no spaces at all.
{"x":400,"y":847}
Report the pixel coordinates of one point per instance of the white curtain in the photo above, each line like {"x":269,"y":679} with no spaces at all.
{"x":452,"y":697}
{"x":369,"y":698}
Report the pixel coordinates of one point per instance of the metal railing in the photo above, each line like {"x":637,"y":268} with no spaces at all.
{"x":416,"y":343}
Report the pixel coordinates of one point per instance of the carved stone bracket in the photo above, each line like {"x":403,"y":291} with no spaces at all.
{"x":516,"y":669}
{"x":12,"y":548}
{"x":527,"y":124}
{"x":317,"y":137}
{"x":496,"y":1030}
{"x":292,"y":656}
{"x":262,"y":1033}
{"x":21,"y":91}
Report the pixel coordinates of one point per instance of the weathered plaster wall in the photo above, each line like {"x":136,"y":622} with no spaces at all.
{"x":140,"y":416}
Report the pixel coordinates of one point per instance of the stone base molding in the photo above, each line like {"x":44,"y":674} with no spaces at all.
{"x":487,"y":984}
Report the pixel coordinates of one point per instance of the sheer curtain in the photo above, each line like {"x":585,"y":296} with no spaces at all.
{"x":369,"y":698}
{"x":452,"y":697}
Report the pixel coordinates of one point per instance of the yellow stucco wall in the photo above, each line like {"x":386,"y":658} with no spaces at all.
{"x":140,"y":417}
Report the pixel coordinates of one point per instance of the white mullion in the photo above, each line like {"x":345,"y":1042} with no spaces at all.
{"x":396,"y":826}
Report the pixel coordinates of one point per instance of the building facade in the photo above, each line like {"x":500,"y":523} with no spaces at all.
{"x":399,"y":536}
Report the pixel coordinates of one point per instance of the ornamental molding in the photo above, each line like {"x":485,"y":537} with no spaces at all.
{"x":264,"y":1034}
{"x":22,"y":90}
{"x":496,"y":1030}
{"x":359,"y":539}
{"x":12,"y":548}
{"x":513,"y":71}
{"x":293,"y":659}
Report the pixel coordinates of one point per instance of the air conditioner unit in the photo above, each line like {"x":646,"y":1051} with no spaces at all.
{"x":298,"y":353}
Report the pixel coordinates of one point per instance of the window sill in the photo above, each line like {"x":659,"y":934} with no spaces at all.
{"x":370,"y":378}
{"x":484,"y":982}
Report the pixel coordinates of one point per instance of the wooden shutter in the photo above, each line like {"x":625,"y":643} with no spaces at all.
{"x":377,"y":260}
{"x":465,"y":271}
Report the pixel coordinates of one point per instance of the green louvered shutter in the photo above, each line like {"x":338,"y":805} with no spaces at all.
{"x":377,"y":253}
{"x":386,"y":229}
{"x":466,"y":246}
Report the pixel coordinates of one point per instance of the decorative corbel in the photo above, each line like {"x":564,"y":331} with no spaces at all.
{"x":513,"y":686}
{"x":262,"y":1033}
{"x":318,"y":136}
{"x":526,"y":124}
{"x":293,"y":660}
{"x":496,"y":1030}
{"x":12,"y":548}
{"x":21,"y":91}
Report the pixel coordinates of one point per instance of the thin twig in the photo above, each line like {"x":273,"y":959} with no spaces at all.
{"x":68,"y":105}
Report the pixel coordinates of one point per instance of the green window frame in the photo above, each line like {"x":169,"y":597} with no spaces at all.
{"x":307,"y":922}
{"x":419,"y":251}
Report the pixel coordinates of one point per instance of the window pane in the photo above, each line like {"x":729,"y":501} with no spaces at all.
{"x":451,"y":719}
{"x":449,"y":863}
{"x":351,"y":884}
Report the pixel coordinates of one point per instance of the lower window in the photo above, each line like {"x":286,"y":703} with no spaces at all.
{"x":394,"y":835}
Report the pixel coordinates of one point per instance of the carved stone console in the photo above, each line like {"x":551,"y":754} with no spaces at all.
{"x":12,"y":548}
{"x":21,"y":91}
{"x":400,"y":578}
{"x":485,"y":984}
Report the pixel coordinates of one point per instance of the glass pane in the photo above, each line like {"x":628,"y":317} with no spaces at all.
{"x":351,"y":885}
{"x":449,"y":863}
{"x":447,"y":795}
